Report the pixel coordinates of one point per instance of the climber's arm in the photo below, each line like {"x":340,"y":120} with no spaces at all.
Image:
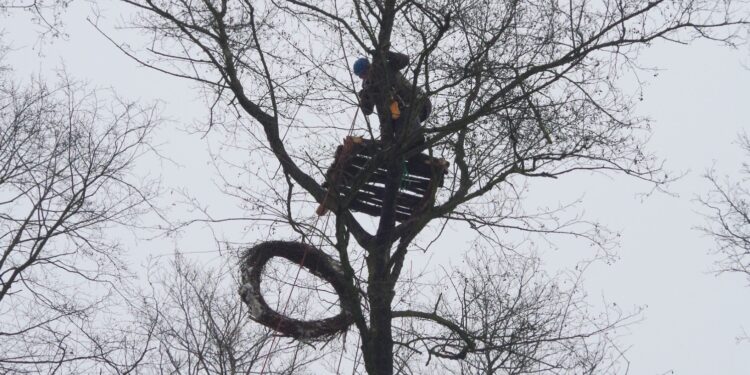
{"x":365,"y":102}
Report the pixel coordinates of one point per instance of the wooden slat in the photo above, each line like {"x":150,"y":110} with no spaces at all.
{"x":412,"y":183}
{"x":423,"y":175}
{"x":410,"y":200}
{"x":375,"y":211}
{"x":369,"y":198}
{"x":365,"y":208}
{"x":375,"y":195}
{"x":399,"y":209}
{"x":419,"y":165}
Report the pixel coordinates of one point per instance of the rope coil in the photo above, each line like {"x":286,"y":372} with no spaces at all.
{"x":313,"y":260}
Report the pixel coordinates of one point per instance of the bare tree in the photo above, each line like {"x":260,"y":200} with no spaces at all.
{"x":201,"y":327}
{"x":521,"y":321}
{"x":729,"y":218}
{"x":521,"y":90}
{"x":66,"y":159}
{"x":45,"y":13}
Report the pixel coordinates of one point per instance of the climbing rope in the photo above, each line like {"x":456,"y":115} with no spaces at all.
{"x":356,"y":356}
{"x":341,"y":356}
{"x":404,"y":174}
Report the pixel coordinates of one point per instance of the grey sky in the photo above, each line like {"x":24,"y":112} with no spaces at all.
{"x":698,"y":104}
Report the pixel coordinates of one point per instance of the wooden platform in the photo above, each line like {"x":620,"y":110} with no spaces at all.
{"x":423,"y":175}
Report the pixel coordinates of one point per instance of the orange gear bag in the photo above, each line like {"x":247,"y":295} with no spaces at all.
{"x":395,"y":110}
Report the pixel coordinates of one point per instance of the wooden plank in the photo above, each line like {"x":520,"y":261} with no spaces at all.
{"x":412,"y":183}
{"x":365,"y":208}
{"x":375,"y":195}
{"x":420,"y":165}
{"x":375,"y":211}
{"x":399,"y":209}
{"x":423,"y":175}
{"x":418,"y":187}
{"x":409,"y":200}
{"x":401,"y":204}
{"x":360,"y":161}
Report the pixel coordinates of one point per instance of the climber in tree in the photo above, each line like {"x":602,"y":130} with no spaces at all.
{"x":401,"y":96}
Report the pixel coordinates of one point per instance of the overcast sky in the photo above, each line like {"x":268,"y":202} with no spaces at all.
{"x":699,"y":102}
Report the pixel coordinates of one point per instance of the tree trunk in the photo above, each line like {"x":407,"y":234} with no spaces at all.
{"x":379,"y":346}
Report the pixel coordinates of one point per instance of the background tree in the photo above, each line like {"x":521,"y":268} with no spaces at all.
{"x":521,"y":90}
{"x":728,"y":218}
{"x":201,"y":327}
{"x":66,"y":159}
{"x":47,"y":14}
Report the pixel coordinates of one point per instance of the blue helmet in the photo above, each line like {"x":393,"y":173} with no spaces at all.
{"x":361,"y":65}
